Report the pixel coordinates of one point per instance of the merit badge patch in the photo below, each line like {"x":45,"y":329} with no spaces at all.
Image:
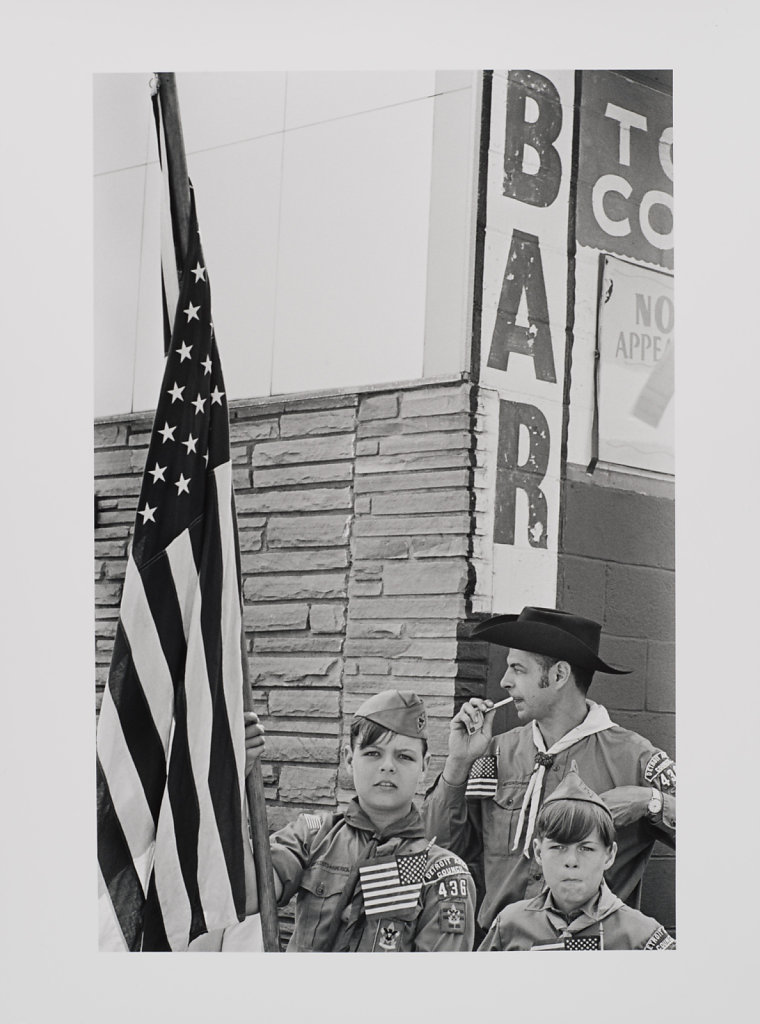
{"x":483,"y":778}
{"x":661,"y":767}
{"x":388,"y":937}
{"x":451,"y":916}
{"x":660,"y":940}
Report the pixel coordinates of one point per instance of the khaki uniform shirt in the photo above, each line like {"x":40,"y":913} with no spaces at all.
{"x":314,"y":856}
{"x":487,"y":827}
{"x":530,"y":924}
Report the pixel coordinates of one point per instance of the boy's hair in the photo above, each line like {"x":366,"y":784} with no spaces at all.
{"x":365,"y":732}
{"x":582,"y":676}
{"x":569,"y":821}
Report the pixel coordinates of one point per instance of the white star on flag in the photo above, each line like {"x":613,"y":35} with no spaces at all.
{"x":190,"y":443}
{"x":184,"y":352}
{"x":176,"y":392}
{"x":206,"y":364}
{"x":147,"y":513}
{"x":199,"y":272}
{"x":198,"y":403}
{"x":192,"y":311}
{"x":167,"y":433}
{"x":183,"y":484}
{"x":216,"y":396}
{"x":158,"y":472}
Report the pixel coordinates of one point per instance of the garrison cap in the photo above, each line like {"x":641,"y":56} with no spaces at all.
{"x":573,"y":787}
{"x":400,"y":711}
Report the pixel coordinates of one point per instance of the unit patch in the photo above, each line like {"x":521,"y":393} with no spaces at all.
{"x":661,"y":767}
{"x":451,"y":916}
{"x":660,"y":940}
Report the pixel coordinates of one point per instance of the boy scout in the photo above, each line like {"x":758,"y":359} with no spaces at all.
{"x":574,"y":844}
{"x":485,"y":802}
{"x":368,"y":880}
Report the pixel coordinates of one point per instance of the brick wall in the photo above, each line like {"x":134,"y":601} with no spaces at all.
{"x":617,"y":566}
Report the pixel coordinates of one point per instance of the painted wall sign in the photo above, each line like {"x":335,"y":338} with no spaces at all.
{"x":523,"y":339}
{"x":636,"y":363}
{"x":625,"y":177}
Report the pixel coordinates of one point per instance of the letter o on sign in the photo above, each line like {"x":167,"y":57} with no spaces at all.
{"x":655,"y":238}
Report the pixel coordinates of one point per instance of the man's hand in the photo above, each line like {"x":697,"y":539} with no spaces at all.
{"x":627,"y":803}
{"x":254,"y":739}
{"x":469,"y":735}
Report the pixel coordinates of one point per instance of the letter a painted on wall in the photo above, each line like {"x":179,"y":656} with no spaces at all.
{"x":511,"y":477}
{"x":524,"y":273}
{"x":537,"y":134}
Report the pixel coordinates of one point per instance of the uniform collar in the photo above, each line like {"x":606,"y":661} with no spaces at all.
{"x":408,"y":827}
{"x":600,"y":906}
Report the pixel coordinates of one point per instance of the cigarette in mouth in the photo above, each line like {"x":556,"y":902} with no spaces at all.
{"x":499,"y":704}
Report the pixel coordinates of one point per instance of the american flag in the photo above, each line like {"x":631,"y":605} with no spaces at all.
{"x":572,"y":942}
{"x":170,"y":740}
{"x":392,"y":883}
{"x":483,"y":778}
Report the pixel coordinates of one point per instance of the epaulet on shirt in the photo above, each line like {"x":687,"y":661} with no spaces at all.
{"x":313,"y":822}
{"x":444,"y":865}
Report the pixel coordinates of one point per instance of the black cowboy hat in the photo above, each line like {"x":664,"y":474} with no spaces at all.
{"x":557,"y":634}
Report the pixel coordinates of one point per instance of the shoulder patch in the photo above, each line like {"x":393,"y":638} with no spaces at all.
{"x":445,"y":865}
{"x":660,"y":940}
{"x":452,"y":915}
{"x":661,"y":768}
{"x":313,"y":821}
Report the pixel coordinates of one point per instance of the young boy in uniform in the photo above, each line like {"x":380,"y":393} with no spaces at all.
{"x":575,"y":844}
{"x":368,"y":880}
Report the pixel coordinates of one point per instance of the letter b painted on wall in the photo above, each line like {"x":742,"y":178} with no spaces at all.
{"x":532,"y":165}
{"x":527,"y":476}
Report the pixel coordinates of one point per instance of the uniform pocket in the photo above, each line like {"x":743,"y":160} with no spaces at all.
{"x":317,"y":901}
{"x":502,"y":814}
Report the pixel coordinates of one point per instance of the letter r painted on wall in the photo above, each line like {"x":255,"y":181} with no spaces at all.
{"x":526,"y":477}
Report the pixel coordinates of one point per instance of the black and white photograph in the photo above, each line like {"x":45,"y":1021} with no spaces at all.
{"x":380,"y":569}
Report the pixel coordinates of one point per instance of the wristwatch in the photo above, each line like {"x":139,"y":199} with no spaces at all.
{"x":654,"y":807}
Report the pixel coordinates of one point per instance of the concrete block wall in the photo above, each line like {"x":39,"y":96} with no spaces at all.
{"x":617,"y":565}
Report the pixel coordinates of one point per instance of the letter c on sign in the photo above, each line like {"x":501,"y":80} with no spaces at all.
{"x":610,"y":183}
{"x":655,"y":238}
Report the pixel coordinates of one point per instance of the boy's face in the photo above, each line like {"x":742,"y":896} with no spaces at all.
{"x":386,"y":774}
{"x":574,"y":871}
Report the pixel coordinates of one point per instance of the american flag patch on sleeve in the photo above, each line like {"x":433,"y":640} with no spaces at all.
{"x":483,"y":778}
{"x":312,"y":821}
{"x":392,"y":883}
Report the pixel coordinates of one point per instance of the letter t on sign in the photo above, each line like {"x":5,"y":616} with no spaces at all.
{"x":511,"y":477}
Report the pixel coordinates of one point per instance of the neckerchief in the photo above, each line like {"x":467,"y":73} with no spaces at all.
{"x":380,"y":844}
{"x":597,"y":720}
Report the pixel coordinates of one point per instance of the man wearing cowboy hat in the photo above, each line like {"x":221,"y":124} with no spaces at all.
{"x":486,"y":800}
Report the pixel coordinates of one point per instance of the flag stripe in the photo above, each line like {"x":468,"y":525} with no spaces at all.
{"x":126,"y":793}
{"x":125,"y":891}
{"x":110,"y":936}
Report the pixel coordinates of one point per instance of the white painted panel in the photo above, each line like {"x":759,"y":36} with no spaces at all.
{"x":118,"y":199}
{"x":316,"y":96}
{"x":237,"y":195}
{"x":225,"y":110}
{"x":353,"y":250}
{"x":521,"y":573}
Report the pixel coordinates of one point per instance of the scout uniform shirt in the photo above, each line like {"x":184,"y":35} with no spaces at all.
{"x":487,"y":825}
{"x":315,"y":857}
{"x":537,"y":923}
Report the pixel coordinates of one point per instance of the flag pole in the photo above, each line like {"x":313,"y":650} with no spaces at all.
{"x":180,"y":198}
